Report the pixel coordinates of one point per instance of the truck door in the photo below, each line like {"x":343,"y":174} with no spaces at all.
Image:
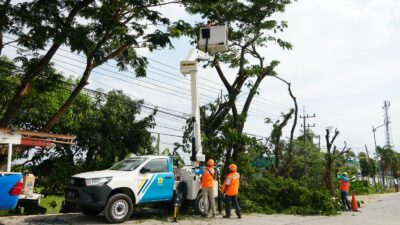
{"x":158,"y":180}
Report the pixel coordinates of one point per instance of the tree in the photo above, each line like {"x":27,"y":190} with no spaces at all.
{"x":108,"y":127}
{"x":114,"y":33}
{"x":364,"y":164}
{"x":330,"y":157}
{"x":251,"y":28}
{"x":38,"y":25}
{"x":101,"y":30}
{"x":276,"y":135}
{"x":112,"y":131}
{"x":296,"y":111}
{"x":389,"y":161}
{"x":5,"y":21}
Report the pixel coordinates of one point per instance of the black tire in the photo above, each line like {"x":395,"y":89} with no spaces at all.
{"x":118,"y":209}
{"x":199,"y":204}
{"x":89,"y":211}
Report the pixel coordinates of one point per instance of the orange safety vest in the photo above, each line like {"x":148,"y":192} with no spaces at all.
{"x":207,"y":179}
{"x":231,"y":184}
{"x":344,"y":186}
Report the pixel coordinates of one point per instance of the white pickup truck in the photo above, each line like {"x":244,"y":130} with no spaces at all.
{"x":133,"y":181}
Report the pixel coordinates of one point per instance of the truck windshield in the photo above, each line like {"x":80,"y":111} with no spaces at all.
{"x":128,"y":164}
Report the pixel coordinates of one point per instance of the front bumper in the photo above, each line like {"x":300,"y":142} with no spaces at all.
{"x":94,"y":197}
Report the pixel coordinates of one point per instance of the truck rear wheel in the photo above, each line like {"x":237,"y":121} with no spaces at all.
{"x":118,"y":209}
{"x":89,"y":212}
{"x":199,"y":204}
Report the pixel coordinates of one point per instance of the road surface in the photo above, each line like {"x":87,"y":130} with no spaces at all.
{"x":377,"y":210}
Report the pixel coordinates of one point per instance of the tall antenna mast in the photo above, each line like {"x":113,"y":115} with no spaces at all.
{"x":388,"y":130}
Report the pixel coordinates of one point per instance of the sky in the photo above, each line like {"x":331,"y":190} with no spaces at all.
{"x":343,"y":66}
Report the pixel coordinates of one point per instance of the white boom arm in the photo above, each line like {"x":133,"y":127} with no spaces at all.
{"x":189,"y":67}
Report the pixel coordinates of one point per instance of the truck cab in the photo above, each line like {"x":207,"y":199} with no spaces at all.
{"x":116,"y":190}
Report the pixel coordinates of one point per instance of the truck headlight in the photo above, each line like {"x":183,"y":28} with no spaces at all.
{"x":97,"y":181}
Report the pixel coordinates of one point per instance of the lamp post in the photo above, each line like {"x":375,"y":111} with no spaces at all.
{"x":377,"y":156}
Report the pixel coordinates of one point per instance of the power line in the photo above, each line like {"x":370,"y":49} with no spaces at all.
{"x":285,"y":107}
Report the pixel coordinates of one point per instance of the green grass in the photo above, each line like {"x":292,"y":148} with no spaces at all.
{"x":46,"y":202}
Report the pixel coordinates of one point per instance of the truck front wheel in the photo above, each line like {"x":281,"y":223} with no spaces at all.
{"x":118,"y":209}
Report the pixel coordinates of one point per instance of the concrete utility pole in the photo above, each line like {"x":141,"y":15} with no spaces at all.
{"x":319,"y":141}
{"x":305,"y":117}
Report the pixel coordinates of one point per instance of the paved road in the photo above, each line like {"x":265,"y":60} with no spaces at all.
{"x":378,"y":210}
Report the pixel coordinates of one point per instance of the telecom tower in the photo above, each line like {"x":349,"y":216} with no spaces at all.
{"x":388,"y":129}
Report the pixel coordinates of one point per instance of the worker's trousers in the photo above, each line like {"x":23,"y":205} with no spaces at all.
{"x":234,"y":201}
{"x":345,"y":200}
{"x":208,"y":198}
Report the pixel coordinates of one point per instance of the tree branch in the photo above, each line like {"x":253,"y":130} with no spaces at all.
{"x":221,"y":75}
{"x":344,"y":149}
{"x":114,"y":54}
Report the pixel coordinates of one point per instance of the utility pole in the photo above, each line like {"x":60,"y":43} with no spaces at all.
{"x":388,"y":131}
{"x":319,"y":141}
{"x":305,"y":125}
{"x":305,"y":117}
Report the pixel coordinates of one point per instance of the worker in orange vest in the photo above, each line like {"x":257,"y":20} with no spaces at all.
{"x":230,"y":190}
{"x":344,"y":189}
{"x":207,"y":184}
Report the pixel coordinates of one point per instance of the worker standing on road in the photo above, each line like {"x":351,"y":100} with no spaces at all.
{"x":207,"y":184}
{"x":230,"y":190}
{"x":344,"y":189}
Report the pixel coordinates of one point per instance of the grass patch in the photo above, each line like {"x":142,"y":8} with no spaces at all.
{"x":52,"y":203}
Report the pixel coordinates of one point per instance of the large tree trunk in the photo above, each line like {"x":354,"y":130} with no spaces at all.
{"x":329,"y":161}
{"x":329,"y":178}
{"x":1,"y":42}
{"x":61,"y":112}
{"x":90,"y":158}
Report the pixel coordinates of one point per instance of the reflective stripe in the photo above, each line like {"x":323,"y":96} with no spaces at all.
{"x":149,"y":183}
{"x":231,"y":184}
{"x":228,"y":181}
{"x":142,"y":186}
{"x":142,"y":182}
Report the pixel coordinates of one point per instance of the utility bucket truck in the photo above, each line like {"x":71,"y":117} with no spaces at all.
{"x":147,"y":179}
{"x":134,"y":181}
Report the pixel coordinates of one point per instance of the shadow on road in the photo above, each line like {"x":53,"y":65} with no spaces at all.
{"x":140,"y":214}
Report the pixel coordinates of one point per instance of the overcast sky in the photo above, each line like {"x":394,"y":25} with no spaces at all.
{"x":343,"y":66}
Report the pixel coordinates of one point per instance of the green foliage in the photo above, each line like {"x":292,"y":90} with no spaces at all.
{"x":53,"y":173}
{"x":52,"y":202}
{"x":107,"y":127}
{"x":279,"y":195}
{"x":361,"y":187}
